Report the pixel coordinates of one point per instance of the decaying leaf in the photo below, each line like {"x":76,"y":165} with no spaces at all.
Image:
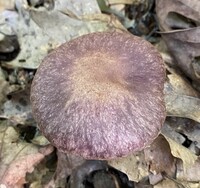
{"x":17,"y":157}
{"x":181,"y":105}
{"x":187,"y":169}
{"x":177,"y":14}
{"x":36,"y":35}
{"x":17,"y":109}
{"x":184,"y":45}
{"x":133,"y":165}
{"x":183,"y":131}
{"x":159,"y":158}
{"x":179,"y":22}
{"x":78,"y":7}
{"x":182,"y":153}
{"x":65,"y":165}
{"x":169,"y":183}
{"x":181,"y":86}
{"x":110,"y":2}
{"x":3,"y":85}
{"x":171,"y":133}
{"x":191,"y":173}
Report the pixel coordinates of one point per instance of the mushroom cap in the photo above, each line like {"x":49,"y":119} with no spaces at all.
{"x":100,"y":95}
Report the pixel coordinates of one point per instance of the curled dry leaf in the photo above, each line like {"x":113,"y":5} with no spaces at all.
{"x":184,"y":45}
{"x":17,"y":158}
{"x":184,"y":42}
{"x":182,"y":153}
{"x":172,"y":13}
{"x":187,"y":169}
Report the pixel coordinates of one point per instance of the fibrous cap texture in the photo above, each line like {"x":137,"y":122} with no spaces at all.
{"x":100,"y":95}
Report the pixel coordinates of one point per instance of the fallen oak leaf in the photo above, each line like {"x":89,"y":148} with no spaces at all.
{"x":17,"y":158}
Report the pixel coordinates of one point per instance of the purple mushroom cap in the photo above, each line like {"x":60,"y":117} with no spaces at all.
{"x":100,"y":95}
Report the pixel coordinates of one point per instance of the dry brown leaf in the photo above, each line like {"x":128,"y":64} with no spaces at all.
{"x":184,"y":45}
{"x":17,"y":157}
{"x":188,"y":168}
{"x":159,"y":158}
{"x":133,"y":165}
{"x":180,"y":20}
{"x":186,"y":8}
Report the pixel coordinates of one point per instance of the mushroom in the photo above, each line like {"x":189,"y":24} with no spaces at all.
{"x":100,"y":96}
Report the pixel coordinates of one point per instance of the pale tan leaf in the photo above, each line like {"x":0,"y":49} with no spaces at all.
{"x":181,"y":86}
{"x":182,"y":153}
{"x":183,"y":106}
{"x":133,"y":165}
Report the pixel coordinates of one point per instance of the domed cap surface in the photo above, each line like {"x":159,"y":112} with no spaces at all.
{"x":100,"y":95}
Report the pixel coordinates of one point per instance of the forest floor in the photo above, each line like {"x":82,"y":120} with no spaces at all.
{"x":30,"y":29}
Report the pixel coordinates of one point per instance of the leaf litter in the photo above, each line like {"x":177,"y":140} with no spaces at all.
{"x":29,"y":30}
